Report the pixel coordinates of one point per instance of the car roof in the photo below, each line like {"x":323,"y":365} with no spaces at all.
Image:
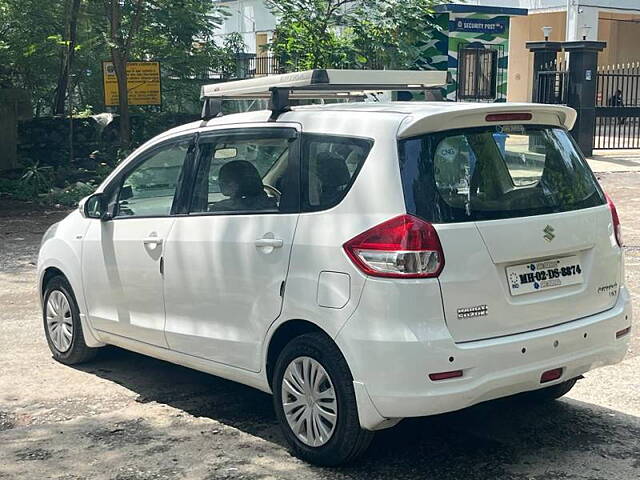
{"x":413,"y":117}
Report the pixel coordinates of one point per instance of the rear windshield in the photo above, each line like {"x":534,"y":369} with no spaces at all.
{"x":495,"y":172}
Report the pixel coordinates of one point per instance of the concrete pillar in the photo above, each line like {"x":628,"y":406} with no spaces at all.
{"x":583,"y":68}
{"x":8,"y":136}
{"x":14,"y":105}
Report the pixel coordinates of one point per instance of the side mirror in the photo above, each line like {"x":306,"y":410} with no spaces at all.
{"x":94,"y":206}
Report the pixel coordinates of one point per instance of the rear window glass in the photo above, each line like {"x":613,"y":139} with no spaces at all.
{"x":495,"y":172}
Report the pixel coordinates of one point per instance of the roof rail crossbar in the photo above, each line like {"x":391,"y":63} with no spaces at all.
{"x":319,"y":84}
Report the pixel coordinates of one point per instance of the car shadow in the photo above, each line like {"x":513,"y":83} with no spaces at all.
{"x":486,"y":441}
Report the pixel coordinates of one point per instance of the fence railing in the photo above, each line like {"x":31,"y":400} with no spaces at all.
{"x":249,"y":65}
{"x":617,"y":124}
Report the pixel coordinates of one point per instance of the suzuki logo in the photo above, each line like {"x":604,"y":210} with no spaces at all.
{"x":548,"y":233}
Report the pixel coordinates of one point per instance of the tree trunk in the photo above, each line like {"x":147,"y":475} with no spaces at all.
{"x":120,"y":48}
{"x":66,"y":61}
{"x":120,"y":66}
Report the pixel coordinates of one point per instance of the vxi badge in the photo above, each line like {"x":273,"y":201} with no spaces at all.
{"x":548,"y":233}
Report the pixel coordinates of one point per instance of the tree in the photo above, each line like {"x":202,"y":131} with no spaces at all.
{"x":30,"y":47}
{"x":307,"y":32}
{"x":55,"y":48}
{"x":351,"y":33}
{"x":66,"y":56}
{"x":123,"y":24}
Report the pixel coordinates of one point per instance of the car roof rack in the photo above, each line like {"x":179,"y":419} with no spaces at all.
{"x":315,"y":84}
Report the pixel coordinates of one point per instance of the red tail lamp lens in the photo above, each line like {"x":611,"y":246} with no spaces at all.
{"x":623,"y":332}
{"x":403,"y":247}
{"x":445,"y":375}
{"x":551,"y":375}
{"x":617,"y":228}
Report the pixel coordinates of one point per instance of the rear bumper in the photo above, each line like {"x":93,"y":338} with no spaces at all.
{"x":393,"y":374}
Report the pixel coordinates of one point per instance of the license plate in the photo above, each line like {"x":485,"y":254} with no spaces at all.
{"x":544,"y":275}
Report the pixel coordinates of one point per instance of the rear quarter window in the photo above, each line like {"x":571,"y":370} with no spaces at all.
{"x":329,"y":167}
{"x":495,"y":172}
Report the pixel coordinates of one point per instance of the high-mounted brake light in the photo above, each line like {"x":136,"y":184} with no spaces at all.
{"x":403,"y":247}
{"x":508,"y":117}
{"x":617,"y":228}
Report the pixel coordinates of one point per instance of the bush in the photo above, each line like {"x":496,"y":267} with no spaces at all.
{"x":69,"y":196}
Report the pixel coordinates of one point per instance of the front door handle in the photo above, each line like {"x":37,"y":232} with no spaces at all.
{"x":269,"y":242}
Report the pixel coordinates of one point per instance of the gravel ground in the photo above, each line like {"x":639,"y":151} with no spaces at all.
{"x":128,"y":417}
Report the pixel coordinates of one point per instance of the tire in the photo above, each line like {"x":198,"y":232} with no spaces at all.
{"x":347,"y":439}
{"x":71,"y":349}
{"x":551,"y":393}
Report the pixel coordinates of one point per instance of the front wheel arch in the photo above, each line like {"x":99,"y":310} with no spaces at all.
{"x":49,"y":274}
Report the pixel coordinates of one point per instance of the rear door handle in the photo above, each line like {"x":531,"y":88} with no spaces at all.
{"x":155,"y":241}
{"x":269,"y":242}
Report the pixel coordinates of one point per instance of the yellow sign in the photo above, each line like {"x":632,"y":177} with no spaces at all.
{"x":143,"y":83}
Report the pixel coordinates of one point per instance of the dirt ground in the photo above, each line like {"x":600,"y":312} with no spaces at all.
{"x":128,"y":417}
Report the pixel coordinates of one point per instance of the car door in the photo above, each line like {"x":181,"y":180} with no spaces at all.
{"x":122,"y":257}
{"x":226,"y":261}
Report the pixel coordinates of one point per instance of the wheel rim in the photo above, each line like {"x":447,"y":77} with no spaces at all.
{"x":59,"y":321}
{"x":309,"y":401}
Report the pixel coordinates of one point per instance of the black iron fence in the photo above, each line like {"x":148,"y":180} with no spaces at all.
{"x":250,"y":65}
{"x":552,"y":84}
{"x":617,"y":124}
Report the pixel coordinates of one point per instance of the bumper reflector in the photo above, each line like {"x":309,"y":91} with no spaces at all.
{"x":551,"y":375}
{"x":445,"y":375}
{"x":623,"y":332}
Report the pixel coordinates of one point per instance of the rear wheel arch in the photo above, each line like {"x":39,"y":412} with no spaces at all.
{"x":284,"y":333}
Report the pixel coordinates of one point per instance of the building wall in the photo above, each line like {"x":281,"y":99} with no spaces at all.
{"x":620,"y":31}
{"x":622,"y":34}
{"x":246,"y":17}
{"x":525,"y":29}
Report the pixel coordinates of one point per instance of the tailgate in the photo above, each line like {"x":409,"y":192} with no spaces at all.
{"x":516,"y":275}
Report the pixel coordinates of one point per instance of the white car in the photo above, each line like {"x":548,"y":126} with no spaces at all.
{"x":363,"y":262}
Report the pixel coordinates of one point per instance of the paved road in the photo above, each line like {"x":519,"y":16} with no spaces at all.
{"x":129,"y":417}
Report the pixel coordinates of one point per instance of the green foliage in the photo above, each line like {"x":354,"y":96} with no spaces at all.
{"x":70,"y":195}
{"x":179,"y":34}
{"x":36,"y":179}
{"x":352,"y":33}
{"x":15,"y":189}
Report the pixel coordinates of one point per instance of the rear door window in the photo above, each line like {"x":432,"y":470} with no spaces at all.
{"x":495,"y":172}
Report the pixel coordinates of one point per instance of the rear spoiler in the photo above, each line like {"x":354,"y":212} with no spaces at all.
{"x":476,"y":115}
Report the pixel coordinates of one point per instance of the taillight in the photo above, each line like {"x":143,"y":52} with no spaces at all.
{"x":403,"y":247}
{"x":617,"y":229}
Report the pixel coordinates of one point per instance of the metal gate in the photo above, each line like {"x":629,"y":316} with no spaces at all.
{"x":617,"y":124}
{"x":552,"y":84}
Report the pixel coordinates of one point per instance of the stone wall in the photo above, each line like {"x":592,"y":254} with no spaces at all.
{"x":46,"y":140}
